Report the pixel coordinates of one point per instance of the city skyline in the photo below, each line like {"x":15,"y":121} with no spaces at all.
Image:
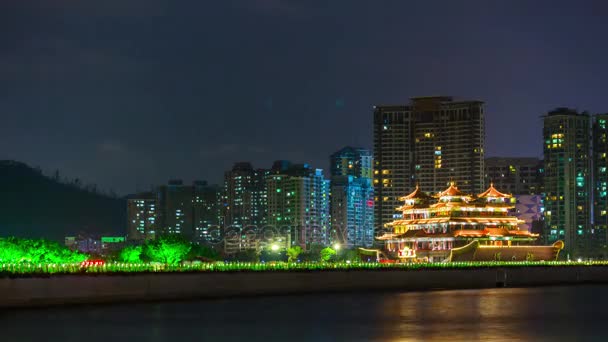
{"x":278,"y":170}
{"x":102,"y":112}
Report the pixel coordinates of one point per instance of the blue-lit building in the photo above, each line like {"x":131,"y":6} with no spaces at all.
{"x":352,"y":197}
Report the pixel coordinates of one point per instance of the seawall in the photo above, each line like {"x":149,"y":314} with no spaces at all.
{"x":113,"y":288}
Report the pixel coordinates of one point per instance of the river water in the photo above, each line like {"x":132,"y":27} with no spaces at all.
{"x":577,"y":313}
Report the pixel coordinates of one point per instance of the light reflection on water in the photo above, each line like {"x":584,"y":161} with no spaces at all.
{"x":536,"y":314}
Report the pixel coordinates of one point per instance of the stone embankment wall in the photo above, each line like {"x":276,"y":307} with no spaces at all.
{"x":112,"y":288}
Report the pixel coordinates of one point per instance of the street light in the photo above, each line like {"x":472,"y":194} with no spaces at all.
{"x":274,"y":247}
{"x":336,"y":246}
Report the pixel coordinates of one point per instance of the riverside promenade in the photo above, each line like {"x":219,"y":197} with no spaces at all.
{"x":38,"y":290}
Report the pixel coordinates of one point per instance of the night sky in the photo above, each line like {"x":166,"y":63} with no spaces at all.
{"x":127,"y":94}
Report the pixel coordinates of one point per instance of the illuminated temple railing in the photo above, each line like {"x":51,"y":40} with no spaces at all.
{"x":476,"y":252}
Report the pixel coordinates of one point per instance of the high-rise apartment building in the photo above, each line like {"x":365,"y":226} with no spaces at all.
{"x":141,"y":216}
{"x":567,"y":179}
{"x":175,"y":209}
{"x":430,"y":142}
{"x":352,"y":211}
{"x":244,"y":197}
{"x":600,"y":184}
{"x":352,"y":197}
{"x":518,"y":176}
{"x":207,"y":211}
{"x":352,"y":161}
{"x":298,"y":203}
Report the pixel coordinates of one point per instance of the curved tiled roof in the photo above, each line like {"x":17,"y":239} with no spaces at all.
{"x":492,"y":192}
{"x":452,"y":190}
{"x":416,"y":194}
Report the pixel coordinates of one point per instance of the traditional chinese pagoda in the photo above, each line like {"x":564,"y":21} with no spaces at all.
{"x":432,"y":226}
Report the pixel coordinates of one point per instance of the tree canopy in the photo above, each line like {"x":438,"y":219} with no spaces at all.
{"x":167,"y":249}
{"x":293,"y":253}
{"x":15,"y":250}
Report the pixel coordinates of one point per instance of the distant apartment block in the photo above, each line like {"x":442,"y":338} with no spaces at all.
{"x":600,"y":184}
{"x":352,"y":198}
{"x":142,"y":216}
{"x":244,"y":196}
{"x":207,"y":212}
{"x":175,"y":202}
{"x":567,"y":180}
{"x":516,"y":176}
{"x":298,"y":203}
{"x":95,"y":245}
{"x":193,"y":211}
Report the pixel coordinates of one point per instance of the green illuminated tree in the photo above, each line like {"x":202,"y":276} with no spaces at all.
{"x":327,"y":253}
{"x":10,"y":251}
{"x":14,"y":250}
{"x":168,"y":249}
{"x":293,"y":253}
{"x":131,"y":254}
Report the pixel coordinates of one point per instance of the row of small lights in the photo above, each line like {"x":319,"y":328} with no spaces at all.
{"x":246,"y":265}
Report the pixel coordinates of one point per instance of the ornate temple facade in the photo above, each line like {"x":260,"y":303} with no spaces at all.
{"x":431,"y":226}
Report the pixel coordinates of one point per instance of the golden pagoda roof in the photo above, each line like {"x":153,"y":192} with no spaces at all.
{"x":452,"y":190}
{"x":492,"y":192}
{"x":416,"y":194}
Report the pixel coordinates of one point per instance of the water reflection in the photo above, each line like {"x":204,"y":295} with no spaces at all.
{"x":538,"y":314}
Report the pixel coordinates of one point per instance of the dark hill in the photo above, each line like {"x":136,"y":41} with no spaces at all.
{"x":34,"y":205}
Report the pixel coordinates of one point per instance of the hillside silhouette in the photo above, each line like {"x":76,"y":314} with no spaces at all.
{"x":35,"y":205}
